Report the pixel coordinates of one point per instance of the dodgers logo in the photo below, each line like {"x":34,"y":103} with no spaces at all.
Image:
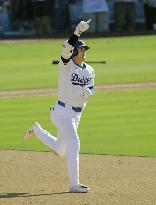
{"x":76,"y":80}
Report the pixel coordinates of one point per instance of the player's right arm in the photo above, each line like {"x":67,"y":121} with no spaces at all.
{"x":68,"y":45}
{"x":68,"y":48}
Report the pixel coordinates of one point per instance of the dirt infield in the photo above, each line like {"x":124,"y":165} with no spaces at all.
{"x":53,"y":91}
{"x":40,"y":178}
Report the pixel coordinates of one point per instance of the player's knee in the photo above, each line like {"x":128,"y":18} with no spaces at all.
{"x":62,"y":153}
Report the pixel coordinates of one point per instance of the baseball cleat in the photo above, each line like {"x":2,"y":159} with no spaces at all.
{"x":30,"y":132}
{"x":79,"y":189}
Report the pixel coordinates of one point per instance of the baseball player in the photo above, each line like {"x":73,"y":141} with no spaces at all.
{"x":75,"y":85}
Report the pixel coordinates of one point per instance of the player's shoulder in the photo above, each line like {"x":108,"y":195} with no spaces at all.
{"x":89,"y":68}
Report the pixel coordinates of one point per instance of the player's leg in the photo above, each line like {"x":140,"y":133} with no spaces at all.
{"x":68,"y":131}
{"x":61,"y":148}
{"x":56,"y":144}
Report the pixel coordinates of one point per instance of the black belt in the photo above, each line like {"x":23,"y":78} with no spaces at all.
{"x":76,"y":109}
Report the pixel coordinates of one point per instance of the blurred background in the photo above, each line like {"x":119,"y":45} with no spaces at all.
{"x":55,"y":17}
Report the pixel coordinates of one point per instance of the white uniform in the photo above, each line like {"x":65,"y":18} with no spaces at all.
{"x":73,"y":81}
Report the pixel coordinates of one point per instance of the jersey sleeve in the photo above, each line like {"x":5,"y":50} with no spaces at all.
{"x":67,"y":48}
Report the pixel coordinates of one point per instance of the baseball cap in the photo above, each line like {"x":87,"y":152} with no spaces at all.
{"x":80,"y":44}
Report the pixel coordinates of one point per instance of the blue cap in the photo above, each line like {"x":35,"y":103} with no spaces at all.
{"x":80,"y":44}
{"x":77,"y":45}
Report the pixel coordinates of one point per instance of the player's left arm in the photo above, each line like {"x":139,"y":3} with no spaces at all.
{"x":92,"y":90}
{"x":89,"y":90}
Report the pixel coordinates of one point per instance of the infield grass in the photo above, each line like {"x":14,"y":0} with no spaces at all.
{"x":27,"y":64}
{"x":115,"y":123}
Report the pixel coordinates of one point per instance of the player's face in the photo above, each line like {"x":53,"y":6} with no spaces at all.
{"x":81,"y":53}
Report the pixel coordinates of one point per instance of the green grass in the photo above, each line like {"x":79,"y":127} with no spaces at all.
{"x":116,"y":123}
{"x":26,"y":65}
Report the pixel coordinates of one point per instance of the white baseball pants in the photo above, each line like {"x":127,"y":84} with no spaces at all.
{"x":67,"y":142}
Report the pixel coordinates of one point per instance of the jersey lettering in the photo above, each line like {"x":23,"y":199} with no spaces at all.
{"x":76,"y":80}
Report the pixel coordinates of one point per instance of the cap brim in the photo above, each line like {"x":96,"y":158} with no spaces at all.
{"x":87,"y":47}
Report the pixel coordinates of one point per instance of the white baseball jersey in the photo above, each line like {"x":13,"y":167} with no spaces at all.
{"x":72,"y":79}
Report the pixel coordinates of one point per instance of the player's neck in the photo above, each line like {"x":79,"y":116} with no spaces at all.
{"x":78,"y":62}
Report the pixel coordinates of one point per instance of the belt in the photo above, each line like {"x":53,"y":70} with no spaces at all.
{"x":76,"y":109}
